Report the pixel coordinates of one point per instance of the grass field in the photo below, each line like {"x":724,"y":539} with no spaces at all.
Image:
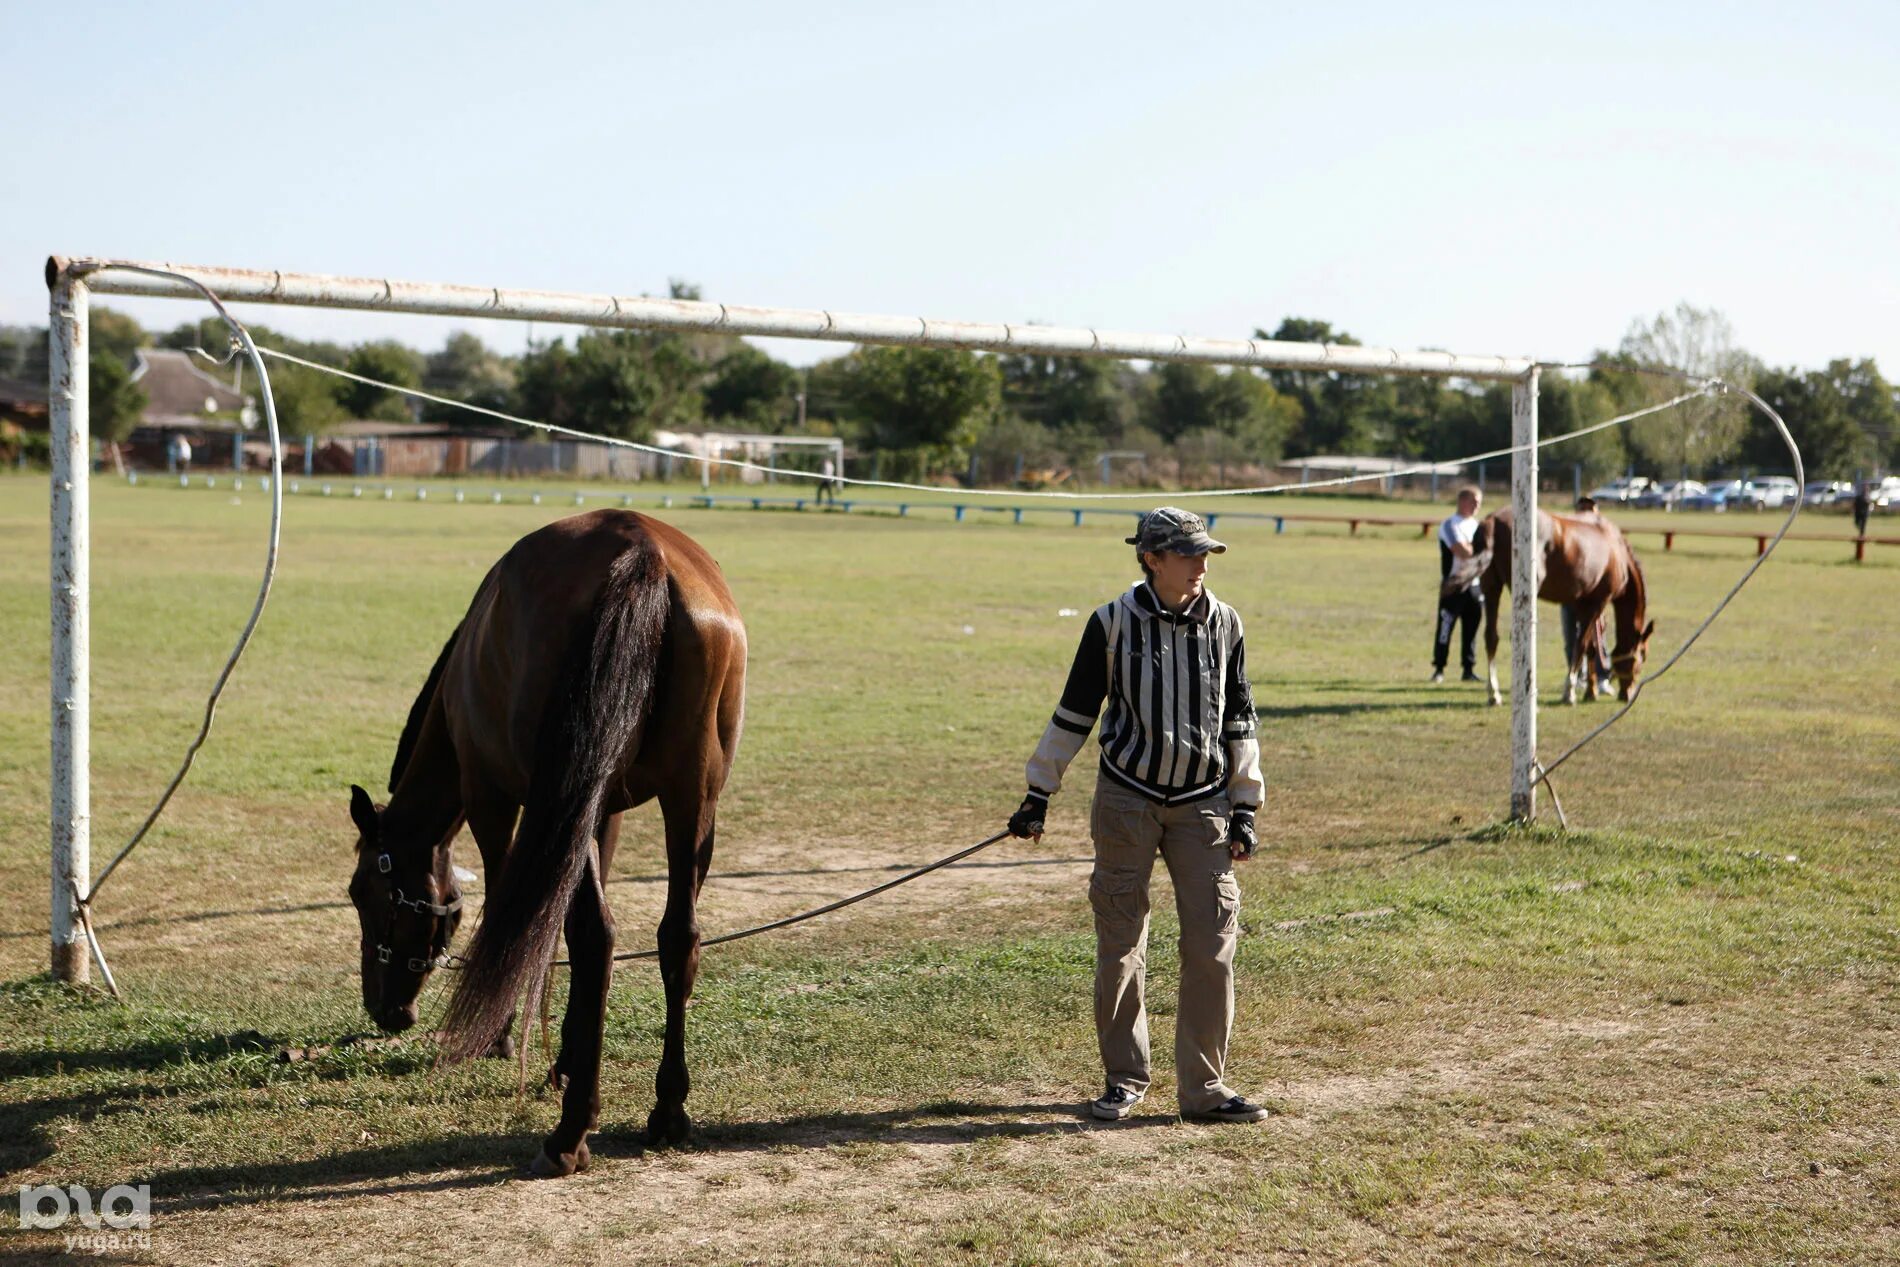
{"x":1668,"y":1035}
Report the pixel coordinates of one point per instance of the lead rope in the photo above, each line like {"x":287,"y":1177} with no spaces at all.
{"x":456,"y":961}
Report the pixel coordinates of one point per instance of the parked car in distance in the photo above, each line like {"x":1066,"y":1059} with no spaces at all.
{"x":1726,"y":495}
{"x":1622,"y":489}
{"x":1669,"y":495}
{"x":1886,"y":494}
{"x":1776,"y":490}
{"x":1826,"y":492}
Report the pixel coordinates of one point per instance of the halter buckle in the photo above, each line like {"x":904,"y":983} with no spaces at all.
{"x":383,"y":863}
{"x":382,"y":954}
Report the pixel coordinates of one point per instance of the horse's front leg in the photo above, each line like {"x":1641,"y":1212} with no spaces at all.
{"x":1589,"y":651}
{"x":689,"y":845}
{"x":1491,"y":646}
{"x":590,"y":951}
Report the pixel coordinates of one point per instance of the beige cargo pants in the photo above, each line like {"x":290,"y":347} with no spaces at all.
{"x":1192,"y":839}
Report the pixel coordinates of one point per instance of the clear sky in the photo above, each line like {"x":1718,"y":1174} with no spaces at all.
{"x":1514,"y":178}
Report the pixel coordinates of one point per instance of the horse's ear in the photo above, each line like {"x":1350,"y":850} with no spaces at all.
{"x":363,"y":812}
{"x":1648,"y":631}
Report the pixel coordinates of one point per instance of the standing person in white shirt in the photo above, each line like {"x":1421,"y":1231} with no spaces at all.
{"x":1464,"y":602}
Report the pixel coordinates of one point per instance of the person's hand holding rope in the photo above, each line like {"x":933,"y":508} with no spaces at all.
{"x":1242,"y":839}
{"x":1026,"y":822}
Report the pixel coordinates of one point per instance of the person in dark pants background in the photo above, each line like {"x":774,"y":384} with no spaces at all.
{"x":1462,"y":603}
{"x":1863,"y":502}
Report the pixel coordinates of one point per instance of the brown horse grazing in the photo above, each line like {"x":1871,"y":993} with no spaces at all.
{"x":1587,"y":563}
{"x":601,"y":665}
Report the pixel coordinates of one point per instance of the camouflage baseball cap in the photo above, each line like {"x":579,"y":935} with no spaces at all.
{"x":1174,"y":531}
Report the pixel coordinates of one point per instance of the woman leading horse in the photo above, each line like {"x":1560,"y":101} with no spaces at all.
{"x":601,"y":665}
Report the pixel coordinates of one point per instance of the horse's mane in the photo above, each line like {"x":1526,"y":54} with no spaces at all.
{"x":1637,"y":581}
{"x":411,"y":729}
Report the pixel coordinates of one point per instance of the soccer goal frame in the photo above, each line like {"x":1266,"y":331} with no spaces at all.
{"x":72,"y":282}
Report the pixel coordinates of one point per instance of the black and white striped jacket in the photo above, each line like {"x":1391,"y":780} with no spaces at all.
{"x":1180,"y":724}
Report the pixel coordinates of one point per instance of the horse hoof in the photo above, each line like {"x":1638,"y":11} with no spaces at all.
{"x":1493,"y":701}
{"x":550,"y":1165}
{"x":668,"y":1127}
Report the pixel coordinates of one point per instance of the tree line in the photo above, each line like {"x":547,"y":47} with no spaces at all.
{"x":919,"y":412}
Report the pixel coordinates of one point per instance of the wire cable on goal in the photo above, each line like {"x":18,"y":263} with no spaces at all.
{"x":790,"y":472}
{"x":1698,"y":385}
{"x":241,"y":339}
{"x":1541,"y":771}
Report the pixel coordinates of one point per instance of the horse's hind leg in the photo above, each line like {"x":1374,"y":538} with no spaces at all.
{"x":606,"y":840}
{"x":689,"y":846}
{"x":590,"y":952}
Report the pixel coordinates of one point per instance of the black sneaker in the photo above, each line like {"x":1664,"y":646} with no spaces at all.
{"x":1237,"y":1109}
{"x":1470,"y":677}
{"x":1115,"y":1104}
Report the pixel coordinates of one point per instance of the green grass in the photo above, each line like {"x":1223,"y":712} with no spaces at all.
{"x":1668,"y":1035}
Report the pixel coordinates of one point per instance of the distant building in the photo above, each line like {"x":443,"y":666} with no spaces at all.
{"x":181,"y":395}
{"x":23,"y":403}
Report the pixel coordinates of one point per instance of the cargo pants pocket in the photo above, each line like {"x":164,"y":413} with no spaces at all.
{"x":1120,"y":908}
{"x":1227,"y":904}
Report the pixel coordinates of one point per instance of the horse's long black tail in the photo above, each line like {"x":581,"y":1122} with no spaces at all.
{"x":593,"y":720}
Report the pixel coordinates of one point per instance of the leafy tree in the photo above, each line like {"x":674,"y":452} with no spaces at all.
{"x":752,"y":388}
{"x":1566,"y":404}
{"x":1237,"y":404}
{"x":116,"y":401}
{"x":1011,"y":437}
{"x":466,"y":369}
{"x":113,"y":334}
{"x":1700,"y":431}
{"x":1339,"y":413}
{"x":1065,"y":392}
{"x":386,"y":361}
{"x":1823,"y":417}
{"x":23,"y":353}
{"x":926,"y":401}
{"x":613,"y":382}
{"x":306,"y":400}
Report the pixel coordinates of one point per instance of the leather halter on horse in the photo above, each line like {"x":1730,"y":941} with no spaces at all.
{"x":384,"y":952}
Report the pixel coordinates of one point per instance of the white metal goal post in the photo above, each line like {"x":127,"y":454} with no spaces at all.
{"x":73,"y":281}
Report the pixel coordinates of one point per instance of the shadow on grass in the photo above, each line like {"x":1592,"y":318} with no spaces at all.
{"x":150,"y":1053}
{"x":26,"y":1130}
{"x":483,"y":1160}
{"x":195,"y":917}
{"x":1292,"y":711}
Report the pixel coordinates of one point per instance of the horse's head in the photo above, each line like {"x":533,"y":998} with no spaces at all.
{"x":408,"y":906}
{"x":1633,"y":629}
{"x":1627,"y":659}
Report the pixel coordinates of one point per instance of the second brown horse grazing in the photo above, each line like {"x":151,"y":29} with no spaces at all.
{"x":601,"y":665}
{"x":1587,"y":563}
